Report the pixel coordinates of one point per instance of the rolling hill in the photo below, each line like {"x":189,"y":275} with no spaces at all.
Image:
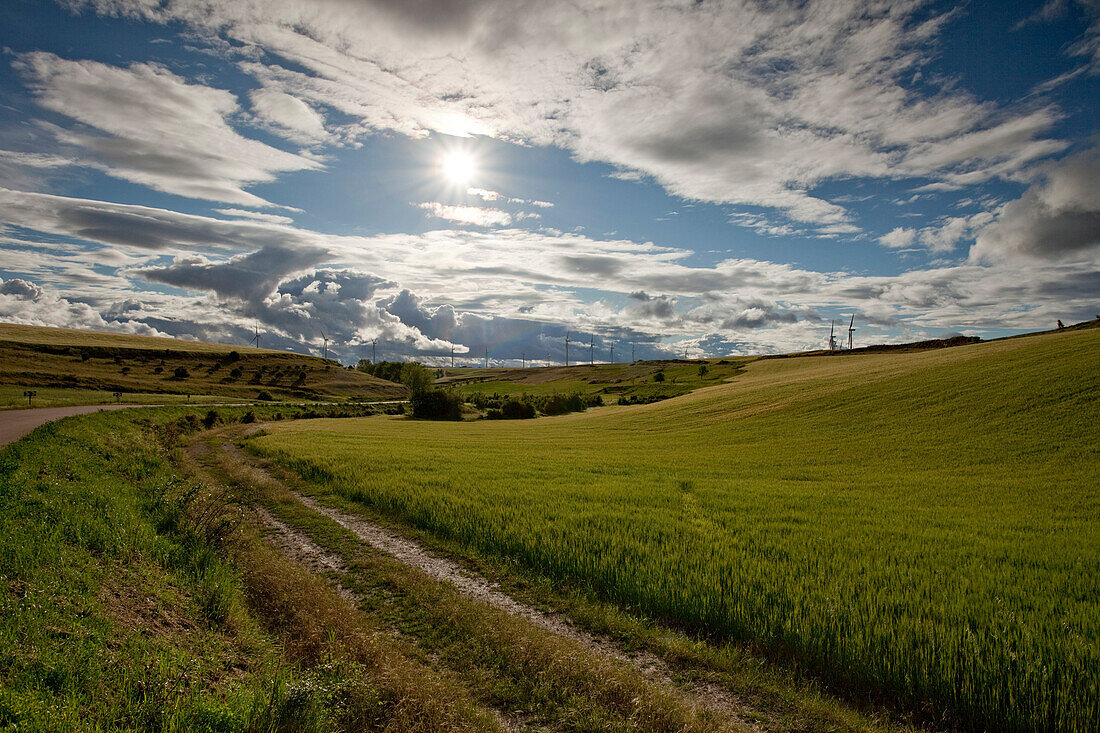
{"x":67,"y":366}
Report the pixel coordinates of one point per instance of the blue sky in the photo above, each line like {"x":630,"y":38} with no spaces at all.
{"x":703,"y":178}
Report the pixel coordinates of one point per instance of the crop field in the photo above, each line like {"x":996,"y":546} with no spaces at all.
{"x":638,"y":379}
{"x":923,"y":528}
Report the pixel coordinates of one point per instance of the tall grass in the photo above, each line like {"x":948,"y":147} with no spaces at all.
{"x":921,"y":527}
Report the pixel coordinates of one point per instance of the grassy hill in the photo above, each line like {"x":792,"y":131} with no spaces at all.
{"x":68,"y":366}
{"x":637,"y":379}
{"x":917,"y":527}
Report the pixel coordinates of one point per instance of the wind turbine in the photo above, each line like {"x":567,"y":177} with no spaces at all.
{"x":832,"y":335}
{"x":567,"y":348}
{"x":851,"y":330}
{"x":591,"y":347}
{"x":325,"y":338}
{"x":256,"y":338}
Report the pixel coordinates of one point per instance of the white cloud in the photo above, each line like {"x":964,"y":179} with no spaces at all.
{"x":154,"y":128}
{"x":481,"y":216}
{"x":500,"y":281}
{"x":733,"y":102}
{"x":289,"y":115}
{"x":256,"y":216}
{"x":898,"y":238}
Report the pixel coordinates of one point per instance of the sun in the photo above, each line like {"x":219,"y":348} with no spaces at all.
{"x":459,"y":168}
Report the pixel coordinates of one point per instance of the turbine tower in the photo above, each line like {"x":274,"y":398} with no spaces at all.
{"x":256,"y":337}
{"x":325,"y":348}
{"x":567,"y":348}
{"x":832,"y":335}
{"x":851,"y":330}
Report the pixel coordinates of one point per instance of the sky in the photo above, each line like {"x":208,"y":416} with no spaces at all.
{"x":483,"y":178}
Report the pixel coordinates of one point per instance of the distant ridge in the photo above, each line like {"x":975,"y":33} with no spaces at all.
{"x":73,"y":359}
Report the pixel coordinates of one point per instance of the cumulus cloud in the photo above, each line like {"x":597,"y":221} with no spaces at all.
{"x":898,"y":238}
{"x":1056,"y":218}
{"x":28,"y":303}
{"x":151,"y":127}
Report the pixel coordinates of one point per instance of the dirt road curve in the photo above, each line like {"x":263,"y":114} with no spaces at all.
{"x":14,"y":424}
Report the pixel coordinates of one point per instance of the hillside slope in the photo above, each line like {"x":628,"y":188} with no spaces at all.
{"x":919,"y":527}
{"x":72,"y":360}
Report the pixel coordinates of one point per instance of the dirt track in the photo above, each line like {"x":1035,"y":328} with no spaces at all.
{"x":297,"y":545}
{"x":14,"y":424}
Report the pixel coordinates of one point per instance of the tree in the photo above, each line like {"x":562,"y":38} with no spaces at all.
{"x":417,"y":378}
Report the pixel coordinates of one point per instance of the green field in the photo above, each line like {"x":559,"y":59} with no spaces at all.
{"x":637,"y":379}
{"x":68,"y":366}
{"x":923,"y":527}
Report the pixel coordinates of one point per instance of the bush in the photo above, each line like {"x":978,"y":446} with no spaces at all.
{"x":702,"y":370}
{"x":249,"y":417}
{"x":265,"y":396}
{"x":560,"y":404}
{"x":659,"y":377}
{"x":180,"y":373}
{"x":211,"y":419}
{"x":436,"y":404}
{"x":513,"y":410}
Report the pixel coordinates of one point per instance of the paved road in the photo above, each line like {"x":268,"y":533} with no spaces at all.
{"x":14,"y":424}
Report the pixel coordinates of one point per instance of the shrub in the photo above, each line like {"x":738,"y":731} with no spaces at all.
{"x":158,"y":370}
{"x":211,"y":419}
{"x":659,"y":377}
{"x":264,"y":395}
{"x":249,"y":417}
{"x":180,"y":373}
{"x":513,"y":410}
{"x":236,"y":373}
{"x":436,"y":404}
{"x":702,"y":370}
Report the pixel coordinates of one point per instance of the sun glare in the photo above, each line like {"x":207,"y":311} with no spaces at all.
{"x":459,"y":168}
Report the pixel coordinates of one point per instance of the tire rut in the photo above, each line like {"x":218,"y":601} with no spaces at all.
{"x":708,"y":696}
